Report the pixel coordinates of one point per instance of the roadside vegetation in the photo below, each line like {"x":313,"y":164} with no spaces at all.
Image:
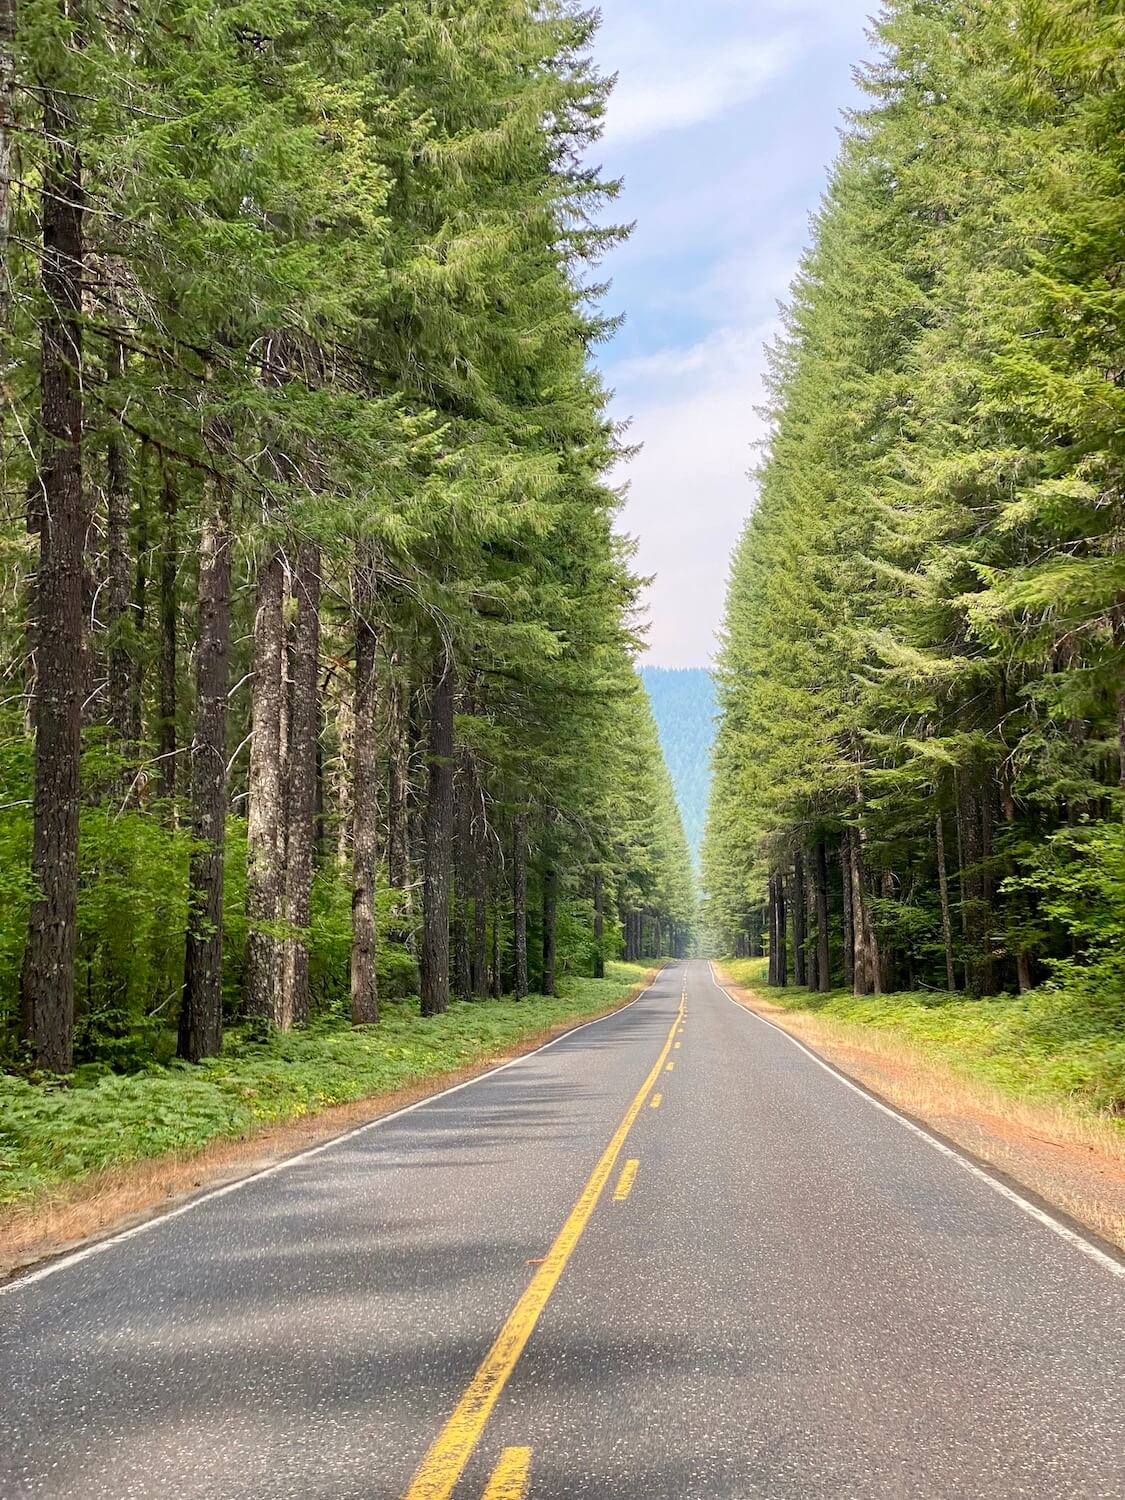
{"x":51,"y":1136}
{"x":919,"y":793}
{"x":317,"y":638}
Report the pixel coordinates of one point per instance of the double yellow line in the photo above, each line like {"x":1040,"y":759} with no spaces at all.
{"x":451,"y":1450}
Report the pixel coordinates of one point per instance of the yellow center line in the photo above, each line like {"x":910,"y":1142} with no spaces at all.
{"x":625,"y":1181}
{"x":668,"y":1068}
{"x":510,"y":1476}
{"x":678,"y":1046}
{"x":450,"y":1451}
{"x":655,"y":1101}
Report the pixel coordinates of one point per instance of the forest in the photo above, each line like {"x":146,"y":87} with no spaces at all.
{"x":920,"y":762}
{"x":318,"y":642}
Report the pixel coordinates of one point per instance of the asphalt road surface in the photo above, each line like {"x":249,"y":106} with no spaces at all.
{"x":667,"y":1258}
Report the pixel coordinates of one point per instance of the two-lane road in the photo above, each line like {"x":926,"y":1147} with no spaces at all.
{"x":670,"y":1256}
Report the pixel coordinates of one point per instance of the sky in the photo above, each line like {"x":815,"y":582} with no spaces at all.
{"x":723,"y":124}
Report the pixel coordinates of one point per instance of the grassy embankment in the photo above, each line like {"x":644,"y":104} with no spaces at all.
{"x":57,"y":1136}
{"x":1051,"y":1046}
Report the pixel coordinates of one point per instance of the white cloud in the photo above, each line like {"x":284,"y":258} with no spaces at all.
{"x":689,"y":488}
{"x":662,"y":89}
{"x":723,"y":122}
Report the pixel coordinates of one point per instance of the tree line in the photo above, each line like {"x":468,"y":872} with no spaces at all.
{"x":920,"y":765}
{"x":317,"y":638}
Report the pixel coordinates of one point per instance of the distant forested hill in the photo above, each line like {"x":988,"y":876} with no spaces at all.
{"x":683,"y":702}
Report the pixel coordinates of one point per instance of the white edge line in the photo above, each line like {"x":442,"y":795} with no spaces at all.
{"x":99,"y":1246}
{"x":1072,"y":1237}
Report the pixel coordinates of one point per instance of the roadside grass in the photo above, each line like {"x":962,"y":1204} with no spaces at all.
{"x":56,"y":1135}
{"x":1053,"y":1046}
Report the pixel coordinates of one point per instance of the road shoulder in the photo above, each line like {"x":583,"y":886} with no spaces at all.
{"x":1059,"y":1156}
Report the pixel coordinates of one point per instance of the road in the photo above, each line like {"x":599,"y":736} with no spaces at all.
{"x":550,"y":1282}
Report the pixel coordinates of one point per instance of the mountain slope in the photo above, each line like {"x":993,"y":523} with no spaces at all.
{"x":683,"y":702}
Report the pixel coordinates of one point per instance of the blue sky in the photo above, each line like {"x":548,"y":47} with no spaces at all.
{"x":724,"y":123}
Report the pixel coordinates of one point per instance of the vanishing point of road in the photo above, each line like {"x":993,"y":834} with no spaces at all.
{"x":671,"y":1256}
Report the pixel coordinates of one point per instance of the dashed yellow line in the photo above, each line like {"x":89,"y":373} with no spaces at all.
{"x":669,"y":1066}
{"x":510,"y":1476}
{"x":439,"y":1471}
{"x":655,"y":1101}
{"x":625,"y":1181}
{"x":678,"y":1045}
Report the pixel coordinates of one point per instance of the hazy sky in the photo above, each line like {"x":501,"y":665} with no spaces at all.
{"x":723,"y":124}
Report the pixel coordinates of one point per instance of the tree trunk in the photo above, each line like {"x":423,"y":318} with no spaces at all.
{"x":886,"y":949}
{"x":973,"y":908}
{"x":782,"y":968}
{"x":519,"y":904}
{"x":264,"y":884}
{"x":201,"y":1011}
{"x":550,"y":929}
{"x":497,"y":976}
{"x":823,"y":954}
{"x":398,"y":803}
{"x":812,"y":958}
{"x":439,"y":841}
{"x":47,"y":978}
{"x":599,"y":925}
{"x":364,"y":813}
{"x":462,"y":959}
{"x":862,"y":981}
{"x":304,"y":737}
{"x":943,"y":892}
{"x":462,"y":975}
{"x":7,"y":91}
{"x":118,"y":500}
{"x":343,"y":766}
{"x":848,"y":916}
{"x":140,"y":605}
{"x":479,"y":964}
{"x":800,"y":924}
{"x":169,"y":562}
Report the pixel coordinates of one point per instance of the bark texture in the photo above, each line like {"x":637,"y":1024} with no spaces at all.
{"x":943,"y":892}
{"x":462,"y":972}
{"x":480,"y":906}
{"x":519,"y":905}
{"x":118,"y":502}
{"x":823,"y":955}
{"x":800,"y":922}
{"x":7,"y":91}
{"x":550,"y":929}
{"x":364,"y":816}
{"x":262,"y":982}
{"x":398,"y":801}
{"x":848,"y":921}
{"x":47,"y":978}
{"x":301,"y":822}
{"x":434,"y":982}
{"x":201,"y":1010}
{"x":169,"y":563}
